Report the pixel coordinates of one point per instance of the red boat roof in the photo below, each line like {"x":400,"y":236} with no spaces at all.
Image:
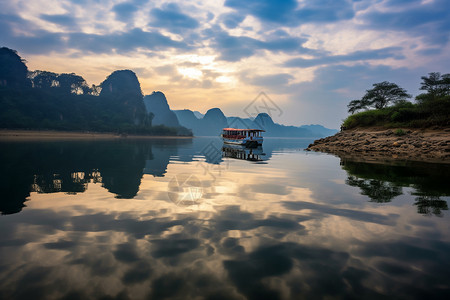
{"x":237,"y":129}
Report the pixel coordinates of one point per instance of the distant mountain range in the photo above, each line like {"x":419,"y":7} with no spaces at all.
{"x":46,"y":100}
{"x":211,"y":123}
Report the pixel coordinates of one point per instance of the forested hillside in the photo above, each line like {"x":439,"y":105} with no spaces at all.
{"x":47,"y":100}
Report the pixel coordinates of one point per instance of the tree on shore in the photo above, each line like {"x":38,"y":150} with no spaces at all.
{"x":356,"y":105}
{"x":436,"y":86}
{"x":384,"y":93}
{"x":432,"y":107}
{"x":380,"y":96}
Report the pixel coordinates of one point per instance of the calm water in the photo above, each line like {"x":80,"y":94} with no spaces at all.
{"x":189,"y":219}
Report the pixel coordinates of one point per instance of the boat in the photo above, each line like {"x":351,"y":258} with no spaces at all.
{"x":245,"y":137}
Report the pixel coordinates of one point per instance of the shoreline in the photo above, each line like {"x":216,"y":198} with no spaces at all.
{"x":28,"y":135}
{"x":378,"y":144}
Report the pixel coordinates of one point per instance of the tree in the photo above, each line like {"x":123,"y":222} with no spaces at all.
{"x":437,"y":87}
{"x":67,"y":83}
{"x":356,"y":105}
{"x":431,"y":84}
{"x":72,"y":83}
{"x":380,"y":96}
{"x":43,"y":79}
{"x":383,"y":94}
{"x":445,"y":85}
{"x":95,"y":90}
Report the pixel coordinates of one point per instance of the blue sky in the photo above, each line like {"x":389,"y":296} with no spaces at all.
{"x":310,"y":57}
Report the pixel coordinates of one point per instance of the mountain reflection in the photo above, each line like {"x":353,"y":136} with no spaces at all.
{"x":68,"y":167}
{"x":384,"y":182}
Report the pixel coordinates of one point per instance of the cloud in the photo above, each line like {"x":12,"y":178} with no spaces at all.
{"x":64,"y":20}
{"x":359,"y":77}
{"x":171,"y":18}
{"x":140,"y":272}
{"x":430,"y":20}
{"x":290,"y":13}
{"x":232,"y":20}
{"x":322,"y":271}
{"x":45,"y":42}
{"x":122,"y":41}
{"x":174,"y":246}
{"x":232,"y":218}
{"x":126,"y":253}
{"x":234,"y":48}
{"x":272,"y":80}
{"x":363,"y":55}
{"x":430,"y":51}
{"x":324,"y":11}
{"x":346,"y":213}
{"x":333,"y":86}
{"x":124,"y":11}
{"x":61,"y":245}
{"x":34,"y":41}
{"x":266,"y":10}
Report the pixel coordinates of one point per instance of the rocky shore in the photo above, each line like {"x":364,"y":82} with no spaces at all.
{"x":432,"y":145}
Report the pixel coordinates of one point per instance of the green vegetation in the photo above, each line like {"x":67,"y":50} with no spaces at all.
{"x":46,"y":100}
{"x":399,"y":132}
{"x":432,"y":108}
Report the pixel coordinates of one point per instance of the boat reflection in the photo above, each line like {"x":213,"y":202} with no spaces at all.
{"x":242,"y":152}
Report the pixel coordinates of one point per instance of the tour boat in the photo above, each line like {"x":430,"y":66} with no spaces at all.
{"x":245,"y":137}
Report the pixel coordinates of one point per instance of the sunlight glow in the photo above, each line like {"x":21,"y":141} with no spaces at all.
{"x":190,"y":73}
{"x":224,"y":79}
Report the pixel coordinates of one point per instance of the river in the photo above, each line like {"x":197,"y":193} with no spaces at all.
{"x":196,"y":219}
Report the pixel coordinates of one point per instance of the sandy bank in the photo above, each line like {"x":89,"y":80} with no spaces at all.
{"x":70,"y":135}
{"x":382,"y":144}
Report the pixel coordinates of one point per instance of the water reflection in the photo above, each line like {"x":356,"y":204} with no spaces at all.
{"x":384,"y":182}
{"x":172,"y":220}
{"x":377,"y":190}
{"x":53,"y":167}
{"x":242,"y":152}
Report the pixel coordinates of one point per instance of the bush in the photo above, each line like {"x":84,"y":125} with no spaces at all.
{"x":399,"y":132}
{"x":366,"y":119}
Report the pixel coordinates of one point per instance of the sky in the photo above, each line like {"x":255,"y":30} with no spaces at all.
{"x":308,"y":58}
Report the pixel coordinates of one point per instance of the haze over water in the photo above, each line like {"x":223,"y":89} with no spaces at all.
{"x":185,"y":219}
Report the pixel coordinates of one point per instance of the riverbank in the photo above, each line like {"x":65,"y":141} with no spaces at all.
{"x":431,"y":145}
{"x":71,"y":135}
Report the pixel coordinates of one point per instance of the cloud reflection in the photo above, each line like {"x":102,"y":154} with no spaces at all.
{"x":273,"y":241}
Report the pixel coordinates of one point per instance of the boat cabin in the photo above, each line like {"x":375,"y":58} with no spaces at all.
{"x":236,"y":133}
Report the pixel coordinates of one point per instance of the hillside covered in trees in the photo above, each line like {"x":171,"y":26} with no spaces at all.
{"x":47,"y":100}
{"x":387,"y":105}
